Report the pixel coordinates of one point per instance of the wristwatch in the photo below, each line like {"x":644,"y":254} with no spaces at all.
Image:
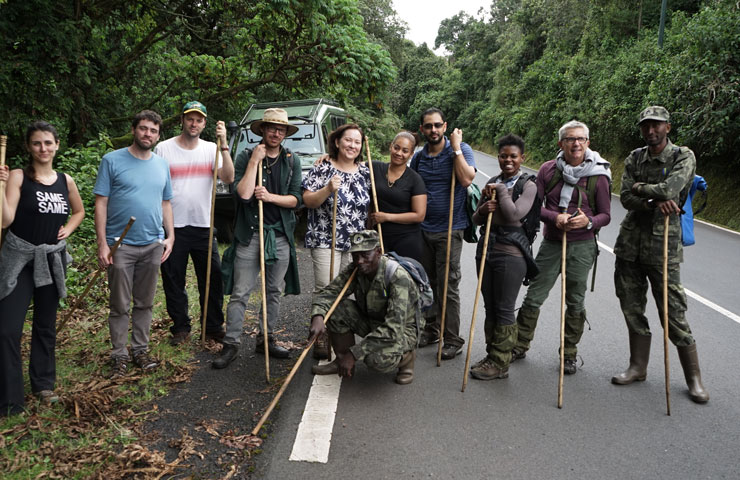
{"x":458,"y":152}
{"x":590,"y":224}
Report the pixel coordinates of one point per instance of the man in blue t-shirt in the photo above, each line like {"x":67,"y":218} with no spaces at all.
{"x":436,"y":163}
{"x":133,"y":182}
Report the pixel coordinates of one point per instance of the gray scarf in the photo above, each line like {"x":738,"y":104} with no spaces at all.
{"x":591,"y":166}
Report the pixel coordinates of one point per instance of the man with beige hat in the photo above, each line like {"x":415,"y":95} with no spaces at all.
{"x":280,"y":193}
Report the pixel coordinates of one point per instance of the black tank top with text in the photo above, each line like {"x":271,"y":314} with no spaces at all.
{"x":42,"y":209}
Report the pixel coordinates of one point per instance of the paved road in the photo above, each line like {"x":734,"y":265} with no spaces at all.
{"x":512,"y":429}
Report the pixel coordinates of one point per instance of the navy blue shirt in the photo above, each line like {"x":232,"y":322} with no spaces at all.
{"x":437,"y":175}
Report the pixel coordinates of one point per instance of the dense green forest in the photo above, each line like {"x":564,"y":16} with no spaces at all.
{"x":523,"y":66}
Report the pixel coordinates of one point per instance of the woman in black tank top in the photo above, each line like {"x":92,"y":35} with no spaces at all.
{"x":41,"y":208}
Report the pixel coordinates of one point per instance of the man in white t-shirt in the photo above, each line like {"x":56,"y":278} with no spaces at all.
{"x":191,"y":162}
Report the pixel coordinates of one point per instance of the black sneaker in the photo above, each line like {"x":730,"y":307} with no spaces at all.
{"x":569,"y":367}
{"x":119,"y":368}
{"x":179,"y":338}
{"x":144,"y":361}
{"x":426,"y":339}
{"x":451,"y":351}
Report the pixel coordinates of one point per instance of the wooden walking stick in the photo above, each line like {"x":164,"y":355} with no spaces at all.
{"x":204,"y":312}
{"x":262,"y":275}
{"x":78,"y":302}
{"x":666,"y":223}
{"x":375,"y":195}
{"x":290,"y":376}
{"x":447,"y":271}
{"x":3,"y":145}
{"x":477,"y":294}
{"x":333,"y":235}
{"x":562,"y":320}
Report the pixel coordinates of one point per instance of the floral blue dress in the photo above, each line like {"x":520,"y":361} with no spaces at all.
{"x":352,"y":209}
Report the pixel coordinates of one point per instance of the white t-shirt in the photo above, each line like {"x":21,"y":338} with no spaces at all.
{"x":192,"y":180}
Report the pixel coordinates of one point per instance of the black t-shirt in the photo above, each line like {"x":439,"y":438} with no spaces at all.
{"x":42,"y":209}
{"x":272,"y":183}
{"x":396,"y":198}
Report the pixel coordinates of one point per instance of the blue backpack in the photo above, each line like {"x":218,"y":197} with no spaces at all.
{"x":687,"y":218}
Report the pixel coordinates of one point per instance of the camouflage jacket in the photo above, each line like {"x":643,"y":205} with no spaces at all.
{"x":667,"y":176}
{"x":390,"y":310}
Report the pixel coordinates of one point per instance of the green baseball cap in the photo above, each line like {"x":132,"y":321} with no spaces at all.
{"x":364,"y":241}
{"x":655,"y":112}
{"x":195,"y":106}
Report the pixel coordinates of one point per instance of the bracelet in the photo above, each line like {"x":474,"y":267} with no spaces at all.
{"x":224,"y":149}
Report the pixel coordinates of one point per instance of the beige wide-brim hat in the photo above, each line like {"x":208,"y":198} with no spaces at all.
{"x":278,"y":116}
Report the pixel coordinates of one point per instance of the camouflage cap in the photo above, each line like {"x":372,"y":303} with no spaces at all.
{"x":655,"y":112}
{"x":364,"y":241}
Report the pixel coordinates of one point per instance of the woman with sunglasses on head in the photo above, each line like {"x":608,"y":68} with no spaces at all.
{"x":402,"y":199}
{"x":42,"y":207}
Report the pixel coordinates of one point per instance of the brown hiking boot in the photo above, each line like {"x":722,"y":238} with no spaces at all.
{"x":331,"y":368}
{"x":119,"y":368}
{"x":47,"y":397}
{"x":179,"y":338}
{"x":144,"y":361}
{"x":487,"y":370}
{"x":405,"y":373}
{"x":517,"y":353}
{"x":321,"y":347}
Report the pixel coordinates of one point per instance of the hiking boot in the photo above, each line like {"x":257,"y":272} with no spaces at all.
{"x":518,"y":353}
{"x":405,"y":373}
{"x":331,"y":368}
{"x":47,"y":397}
{"x":487,"y":370}
{"x":217,"y":336}
{"x":451,"y":351}
{"x":119,"y":368}
{"x":144,"y":361}
{"x":228,"y":354}
{"x":569,"y":366}
{"x":426,"y":339}
{"x":321,"y":347}
{"x":275,"y":350}
{"x":179,"y":338}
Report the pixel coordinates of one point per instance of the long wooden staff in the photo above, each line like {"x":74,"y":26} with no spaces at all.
{"x":562,"y":320}
{"x":447,"y":270}
{"x":375,"y":195}
{"x":3,"y":145}
{"x":290,"y":376}
{"x":204,"y":312}
{"x":477,"y":294}
{"x":666,"y":223}
{"x":333,"y":235}
{"x":262,"y":275}
{"x":77,"y":303}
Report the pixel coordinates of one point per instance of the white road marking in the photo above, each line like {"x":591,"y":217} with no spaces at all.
{"x":722,"y":311}
{"x":313,"y":439}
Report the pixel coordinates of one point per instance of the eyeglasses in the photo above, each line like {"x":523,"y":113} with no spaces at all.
{"x":428,"y":126}
{"x":572,"y":140}
{"x":275,"y":129}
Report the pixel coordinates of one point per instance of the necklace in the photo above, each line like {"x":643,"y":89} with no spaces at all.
{"x":271,"y":164}
{"x":388,"y":179}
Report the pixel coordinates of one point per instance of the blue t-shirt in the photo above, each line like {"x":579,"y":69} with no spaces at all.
{"x":437,"y":175}
{"x":135,"y":188}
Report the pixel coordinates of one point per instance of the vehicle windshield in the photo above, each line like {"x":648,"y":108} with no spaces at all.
{"x":306,"y":141}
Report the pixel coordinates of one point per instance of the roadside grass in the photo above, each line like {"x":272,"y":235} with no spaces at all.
{"x":93,"y":432}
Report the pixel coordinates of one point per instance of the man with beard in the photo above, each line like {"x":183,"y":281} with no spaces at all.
{"x":436,"y":163}
{"x":192,"y":161}
{"x":133,"y":182}
{"x":280,"y":193}
{"x":383,"y":311}
{"x":655,"y":184}
{"x":576,"y":192}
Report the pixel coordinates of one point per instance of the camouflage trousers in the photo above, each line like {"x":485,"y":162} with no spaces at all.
{"x":381,"y":353}
{"x":631,"y":284}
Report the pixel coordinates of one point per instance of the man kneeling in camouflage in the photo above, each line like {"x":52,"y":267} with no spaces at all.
{"x":384,"y":314}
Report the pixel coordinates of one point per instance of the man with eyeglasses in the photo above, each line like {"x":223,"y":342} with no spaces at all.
{"x":280,"y":193}
{"x":192,"y":160}
{"x":655,"y":184}
{"x":436,"y":163}
{"x":575,"y":187}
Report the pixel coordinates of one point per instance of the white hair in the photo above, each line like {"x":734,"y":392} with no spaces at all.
{"x":570,"y":125}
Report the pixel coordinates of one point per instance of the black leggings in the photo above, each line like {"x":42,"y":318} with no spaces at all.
{"x":502,"y":279}
{"x":42,"y":366}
